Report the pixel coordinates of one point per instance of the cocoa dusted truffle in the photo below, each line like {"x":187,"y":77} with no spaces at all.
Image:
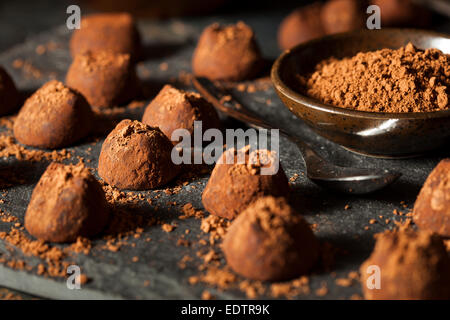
{"x":302,"y":25}
{"x":342,"y":16}
{"x":54,"y":116}
{"x":136,"y":156}
{"x":402,"y":13}
{"x":115,"y":32}
{"x":67,"y":202}
{"x":227,"y":53}
{"x":412,"y":265}
{"x":432,"y":207}
{"x":106,"y":79}
{"x":174,"y":109}
{"x":233,"y":185}
{"x":270,"y":241}
{"x":9,"y":96}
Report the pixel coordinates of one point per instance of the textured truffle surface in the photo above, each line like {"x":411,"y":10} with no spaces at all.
{"x":233,"y":185}
{"x":104,"y":78}
{"x":432,"y":207}
{"x":227,"y":53}
{"x":136,"y":156}
{"x":342,"y":15}
{"x":270,"y":241}
{"x":174,"y":109}
{"x":301,"y":25}
{"x":9,"y":96}
{"x":54,"y":116}
{"x":67,"y":202}
{"x":115,"y":32}
{"x":413,"y":265}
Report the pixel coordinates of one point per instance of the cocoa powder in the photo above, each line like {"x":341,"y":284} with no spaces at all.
{"x":403,"y":80}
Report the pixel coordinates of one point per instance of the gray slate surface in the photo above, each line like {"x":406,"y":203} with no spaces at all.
{"x":114,"y":275}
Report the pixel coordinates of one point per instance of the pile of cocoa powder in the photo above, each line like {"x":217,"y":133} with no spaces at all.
{"x":403,"y":80}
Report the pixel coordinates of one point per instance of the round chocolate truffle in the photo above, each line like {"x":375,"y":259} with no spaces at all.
{"x":106,"y":79}
{"x":227,"y":53}
{"x":136,"y":156}
{"x":402,"y":13}
{"x":302,"y":25}
{"x":9,"y":96}
{"x":54,"y":116}
{"x":68,"y":202}
{"x":269,"y":241}
{"x":234,"y":184}
{"x":114,"y":32}
{"x":432,"y":207}
{"x":174,"y":109}
{"x":342,"y":16}
{"x":412,"y":265}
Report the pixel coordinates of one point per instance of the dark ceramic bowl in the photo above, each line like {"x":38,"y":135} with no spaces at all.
{"x":390,"y":135}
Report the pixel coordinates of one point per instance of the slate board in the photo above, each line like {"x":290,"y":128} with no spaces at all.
{"x":114,"y":275}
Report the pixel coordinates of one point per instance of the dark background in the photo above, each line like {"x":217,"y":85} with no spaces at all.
{"x":20,"y":19}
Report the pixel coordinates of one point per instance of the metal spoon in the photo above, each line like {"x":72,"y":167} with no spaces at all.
{"x":319,"y":170}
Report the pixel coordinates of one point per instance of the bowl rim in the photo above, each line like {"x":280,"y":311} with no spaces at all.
{"x":315,"y":104}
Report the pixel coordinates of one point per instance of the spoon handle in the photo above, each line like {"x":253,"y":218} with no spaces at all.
{"x":226,"y":104}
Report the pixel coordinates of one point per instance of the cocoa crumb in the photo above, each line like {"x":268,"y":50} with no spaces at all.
{"x":206,"y":295}
{"x":322,"y":291}
{"x":167,"y":227}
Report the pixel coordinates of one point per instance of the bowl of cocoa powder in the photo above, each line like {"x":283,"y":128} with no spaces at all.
{"x":382,"y":93}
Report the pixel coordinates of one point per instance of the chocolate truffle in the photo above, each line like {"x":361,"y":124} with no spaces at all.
{"x":9,"y":96}
{"x":342,"y":16}
{"x":227,"y":53}
{"x":432,"y":207}
{"x":174,"y":109}
{"x":136,"y":156}
{"x":54,"y":116}
{"x":233,"y":185}
{"x":106,"y":79}
{"x":67,"y":202}
{"x":402,"y":13}
{"x":302,"y":25}
{"x":115,"y":32}
{"x":413,"y":265}
{"x":270,"y":241}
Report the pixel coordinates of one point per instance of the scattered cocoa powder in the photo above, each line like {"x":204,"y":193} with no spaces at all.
{"x":403,"y":80}
{"x":215,"y":226}
{"x":5,"y":294}
{"x":206,"y":295}
{"x":167,"y":227}
{"x":9,"y":147}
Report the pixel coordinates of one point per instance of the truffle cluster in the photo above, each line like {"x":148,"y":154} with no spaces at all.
{"x":67,"y":202}
{"x":54,"y":116}
{"x":397,"y":13}
{"x":174,"y":109}
{"x":136,"y":156}
{"x":334,"y":16}
{"x":270,"y":241}
{"x":317,"y":20}
{"x":236,"y":181}
{"x":227,"y":53}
